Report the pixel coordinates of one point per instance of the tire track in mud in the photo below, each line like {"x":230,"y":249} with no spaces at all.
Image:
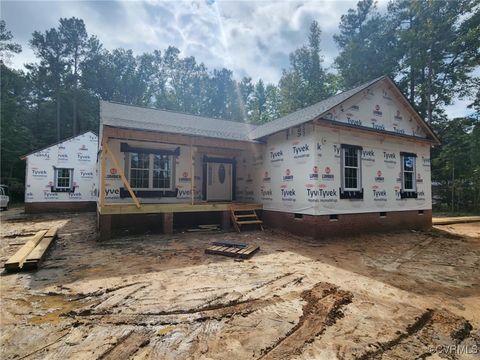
{"x":323,"y":307}
{"x":127,"y":345}
{"x":425,"y":331}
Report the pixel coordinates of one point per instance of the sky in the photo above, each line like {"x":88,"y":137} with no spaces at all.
{"x":251,"y":38}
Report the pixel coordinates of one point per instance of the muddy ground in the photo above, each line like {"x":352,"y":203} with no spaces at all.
{"x":398,"y":296}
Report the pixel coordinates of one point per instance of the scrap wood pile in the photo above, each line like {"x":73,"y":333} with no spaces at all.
{"x":30,"y":255}
{"x":240,"y":250}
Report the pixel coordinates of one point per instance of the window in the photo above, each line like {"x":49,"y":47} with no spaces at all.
{"x":408,"y":172}
{"x":63,"y":180}
{"x":409,"y":183}
{"x":151,"y":171}
{"x":351,"y":172}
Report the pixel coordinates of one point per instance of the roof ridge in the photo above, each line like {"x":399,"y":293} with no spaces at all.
{"x":354,"y":91}
{"x":177,"y":112}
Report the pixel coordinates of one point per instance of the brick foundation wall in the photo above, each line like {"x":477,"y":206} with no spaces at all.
{"x":60,"y":206}
{"x":321,"y":226}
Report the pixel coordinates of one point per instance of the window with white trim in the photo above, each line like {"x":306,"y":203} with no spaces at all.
{"x":151,"y":171}
{"x":351,"y":171}
{"x":408,"y":172}
{"x":63,"y":179}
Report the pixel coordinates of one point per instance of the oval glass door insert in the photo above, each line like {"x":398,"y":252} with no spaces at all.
{"x":221,"y":173}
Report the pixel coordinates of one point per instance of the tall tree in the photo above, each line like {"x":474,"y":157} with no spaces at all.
{"x":51,"y":50}
{"x":305,"y":82}
{"x":75,"y":37}
{"x":440,"y":42}
{"x":367,"y":43}
{"x":7,"y":47}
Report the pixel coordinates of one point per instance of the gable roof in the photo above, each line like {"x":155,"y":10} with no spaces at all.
{"x":136,"y":117}
{"x":23,"y":157}
{"x":315,"y":111}
{"x":307,"y":114}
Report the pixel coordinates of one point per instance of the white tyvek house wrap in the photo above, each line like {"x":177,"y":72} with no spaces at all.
{"x":181,"y":178}
{"x":301,"y":172}
{"x":378,"y":109}
{"x":79,"y":154}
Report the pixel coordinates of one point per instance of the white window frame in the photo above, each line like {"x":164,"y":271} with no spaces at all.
{"x":150,"y":172}
{"x":414,"y":173}
{"x":70,"y":178}
{"x":358,"y":167}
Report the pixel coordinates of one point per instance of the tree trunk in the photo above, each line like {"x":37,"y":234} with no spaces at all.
{"x":453,"y":187}
{"x":74,"y":125}
{"x":58,"y":113}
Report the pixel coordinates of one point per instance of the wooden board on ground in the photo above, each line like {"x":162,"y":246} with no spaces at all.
{"x":15,"y":262}
{"x":232,"y":251}
{"x":33,"y":252}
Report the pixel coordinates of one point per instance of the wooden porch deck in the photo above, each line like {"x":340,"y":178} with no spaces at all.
{"x":115,"y":209}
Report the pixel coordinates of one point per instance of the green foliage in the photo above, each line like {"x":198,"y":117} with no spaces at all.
{"x":306,"y":82}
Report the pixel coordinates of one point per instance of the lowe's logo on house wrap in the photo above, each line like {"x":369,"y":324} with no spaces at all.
{"x":266,"y":177}
{"x":379,"y":195}
{"x":327,"y":176}
{"x":185,"y":177}
{"x":83,"y":158}
{"x":39,"y":173}
{"x":267,"y":194}
{"x":301,"y":151}
{"x":379,"y":177}
{"x":43,"y":155}
{"x":314,"y":174}
{"x":249,"y":179}
{"x":288,"y":175}
{"x":276,"y":156}
{"x":83,"y":148}
{"x":376,"y":111}
{"x":288,"y":194}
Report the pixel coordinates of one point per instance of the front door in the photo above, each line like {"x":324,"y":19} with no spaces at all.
{"x":219,"y":182}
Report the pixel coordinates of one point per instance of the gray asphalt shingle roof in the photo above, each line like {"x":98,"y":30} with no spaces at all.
{"x":135,"y":117}
{"x":307,"y":114}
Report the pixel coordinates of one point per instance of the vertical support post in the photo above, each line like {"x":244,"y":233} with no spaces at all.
{"x":105,"y":227}
{"x":103,"y":174}
{"x":192,"y":175}
{"x":167,"y":223}
{"x":225,"y":220}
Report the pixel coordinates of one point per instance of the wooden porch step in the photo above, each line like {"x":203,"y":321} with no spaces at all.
{"x":250,"y":222}
{"x":245,"y":216}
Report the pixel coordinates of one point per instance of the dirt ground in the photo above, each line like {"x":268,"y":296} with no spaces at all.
{"x":405,"y":295}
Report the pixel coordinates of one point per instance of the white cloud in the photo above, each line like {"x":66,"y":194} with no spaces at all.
{"x":251,"y":38}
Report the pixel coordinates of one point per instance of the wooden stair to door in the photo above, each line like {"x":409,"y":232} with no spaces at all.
{"x":245,"y":217}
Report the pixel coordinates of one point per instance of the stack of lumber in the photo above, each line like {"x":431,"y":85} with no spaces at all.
{"x":33,"y":252}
